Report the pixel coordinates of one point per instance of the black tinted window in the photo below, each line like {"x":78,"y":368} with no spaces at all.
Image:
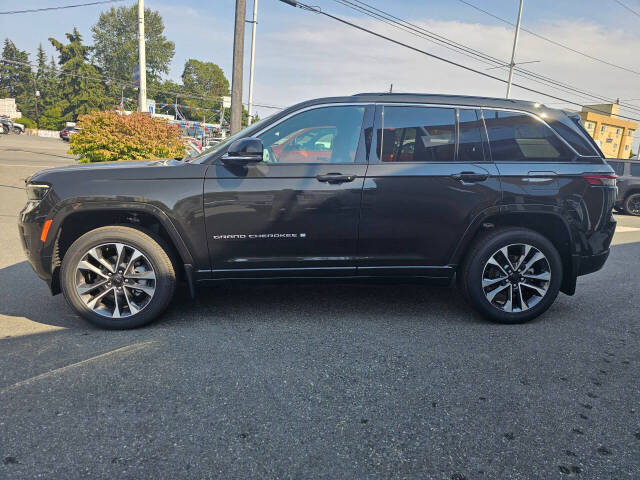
{"x":418,"y":134}
{"x":470,"y":143}
{"x":517,"y":136}
{"x":618,"y":167}
{"x":635,"y":169}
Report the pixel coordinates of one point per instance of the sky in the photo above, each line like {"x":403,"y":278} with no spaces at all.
{"x":302,"y":55}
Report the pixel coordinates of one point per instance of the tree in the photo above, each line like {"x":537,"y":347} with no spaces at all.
{"x":204,"y":84}
{"x":16,"y":78}
{"x":110,"y":136}
{"x":80,"y":87}
{"x":115,"y":38}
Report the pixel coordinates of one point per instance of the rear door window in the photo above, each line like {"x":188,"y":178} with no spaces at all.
{"x":515,"y":137}
{"x":635,"y":169}
{"x":417,"y":134}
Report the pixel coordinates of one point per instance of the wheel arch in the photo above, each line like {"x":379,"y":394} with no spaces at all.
{"x":71,"y":223}
{"x":548,"y":223}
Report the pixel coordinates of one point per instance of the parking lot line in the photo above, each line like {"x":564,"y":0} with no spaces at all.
{"x":30,"y":166}
{"x":128,"y":349}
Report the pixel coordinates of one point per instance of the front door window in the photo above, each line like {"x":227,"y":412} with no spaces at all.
{"x":320,"y":135}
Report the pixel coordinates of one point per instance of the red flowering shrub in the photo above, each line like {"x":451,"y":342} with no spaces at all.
{"x":109,"y":136}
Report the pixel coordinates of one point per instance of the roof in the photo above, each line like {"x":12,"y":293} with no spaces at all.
{"x":490,"y":102}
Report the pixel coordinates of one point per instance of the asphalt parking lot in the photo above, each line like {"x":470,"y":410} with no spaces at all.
{"x":316,"y":381}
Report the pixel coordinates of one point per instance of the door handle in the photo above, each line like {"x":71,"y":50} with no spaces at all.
{"x":470,"y":177}
{"x":335,"y":178}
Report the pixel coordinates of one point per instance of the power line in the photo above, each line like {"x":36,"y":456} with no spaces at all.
{"x":432,"y":55}
{"x":126,"y":84}
{"x":62,"y":7}
{"x":547,"y":39}
{"x":469,"y":52}
{"x":628,"y":8}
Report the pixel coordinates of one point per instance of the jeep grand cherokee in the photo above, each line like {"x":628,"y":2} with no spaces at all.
{"x":511,"y":198}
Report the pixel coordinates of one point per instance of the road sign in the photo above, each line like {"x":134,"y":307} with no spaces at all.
{"x":226,"y":102}
{"x":135,"y":75}
{"x":151,"y":106}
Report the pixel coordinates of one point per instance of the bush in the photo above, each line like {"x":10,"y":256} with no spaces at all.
{"x":109,"y":136}
{"x":27,"y":122}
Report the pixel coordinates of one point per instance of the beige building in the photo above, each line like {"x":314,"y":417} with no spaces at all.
{"x":8,"y":108}
{"x":613,"y":134}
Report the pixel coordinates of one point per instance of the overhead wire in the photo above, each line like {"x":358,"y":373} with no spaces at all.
{"x":550,"y":40}
{"x":61,"y":7}
{"x":467,"y":51}
{"x":319,"y":11}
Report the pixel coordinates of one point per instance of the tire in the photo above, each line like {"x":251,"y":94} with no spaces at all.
{"x":632,"y":204}
{"x":17,"y":130}
{"x":90,"y":270}
{"x":530,"y":297}
{"x":5,"y":129}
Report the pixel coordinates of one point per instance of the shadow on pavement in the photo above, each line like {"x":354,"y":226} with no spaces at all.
{"x":25,"y":295}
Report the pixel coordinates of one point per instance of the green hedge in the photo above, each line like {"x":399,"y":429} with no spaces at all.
{"x":27,"y":122}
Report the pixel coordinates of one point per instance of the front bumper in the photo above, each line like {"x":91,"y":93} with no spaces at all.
{"x":38,"y":253}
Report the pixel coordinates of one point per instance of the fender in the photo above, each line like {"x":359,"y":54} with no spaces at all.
{"x":76,"y":205}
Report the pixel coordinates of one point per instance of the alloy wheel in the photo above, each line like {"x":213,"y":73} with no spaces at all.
{"x":633,"y":205}
{"x":516,"y":278}
{"x":115,"y":280}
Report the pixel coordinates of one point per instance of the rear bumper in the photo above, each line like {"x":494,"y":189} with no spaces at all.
{"x":592,"y":263}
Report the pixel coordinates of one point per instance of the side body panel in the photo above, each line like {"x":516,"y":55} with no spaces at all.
{"x":415,"y":213}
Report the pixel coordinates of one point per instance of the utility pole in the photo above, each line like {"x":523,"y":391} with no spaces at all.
{"x":238,"y":59}
{"x":37,"y":115}
{"x":142,"y":92}
{"x":513,"y":52}
{"x":253,"y":52}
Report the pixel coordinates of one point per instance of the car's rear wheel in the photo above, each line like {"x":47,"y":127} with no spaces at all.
{"x":118,"y":277}
{"x":512,"y":275}
{"x":632,"y":204}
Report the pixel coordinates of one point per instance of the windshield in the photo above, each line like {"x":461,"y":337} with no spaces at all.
{"x":202,"y":156}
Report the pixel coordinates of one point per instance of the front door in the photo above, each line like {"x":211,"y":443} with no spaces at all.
{"x":295,"y":213}
{"x":427,"y":180}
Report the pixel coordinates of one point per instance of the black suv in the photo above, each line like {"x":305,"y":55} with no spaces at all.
{"x":628,"y":172}
{"x":512,"y":198}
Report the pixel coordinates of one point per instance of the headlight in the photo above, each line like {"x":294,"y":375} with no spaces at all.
{"x":36,"y":191}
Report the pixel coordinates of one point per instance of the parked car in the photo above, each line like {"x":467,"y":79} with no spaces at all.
{"x":17,"y":128}
{"x":66,"y":132}
{"x":628,"y":171}
{"x":6,"y":125}
{"x":192,"y":146}
{"x":511,"y":198}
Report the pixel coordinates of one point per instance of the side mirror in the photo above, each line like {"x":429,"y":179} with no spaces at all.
{"x":244,"y":151}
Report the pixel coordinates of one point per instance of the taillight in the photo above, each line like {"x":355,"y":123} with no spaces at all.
{"x":602,"y":180}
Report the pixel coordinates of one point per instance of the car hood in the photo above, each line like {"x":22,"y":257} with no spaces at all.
{"x":100,"y":166}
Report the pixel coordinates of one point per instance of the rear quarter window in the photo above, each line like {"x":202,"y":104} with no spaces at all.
{"x":515,"y":136}
{"x":635,"y":169}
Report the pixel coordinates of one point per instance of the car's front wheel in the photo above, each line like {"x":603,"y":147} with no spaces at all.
{"x":118,"y":277}
{"x":632,"y":204}
{"x":511,"y":275}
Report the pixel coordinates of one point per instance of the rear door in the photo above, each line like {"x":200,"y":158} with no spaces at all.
{"x":296,"y":213}
{"x":428,"y":178}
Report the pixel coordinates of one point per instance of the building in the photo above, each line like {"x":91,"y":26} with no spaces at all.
{"x":8,"y":108}
{"x":613,"y":134}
